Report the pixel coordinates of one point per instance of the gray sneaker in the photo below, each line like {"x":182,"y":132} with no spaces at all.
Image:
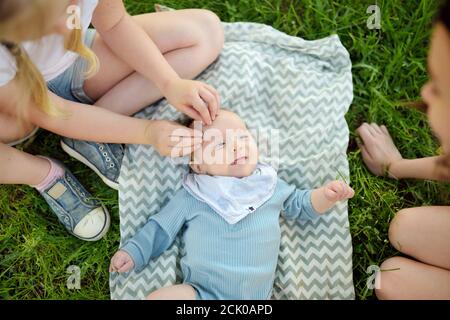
{"x":83,"y":216}
{"x":105,"y":159}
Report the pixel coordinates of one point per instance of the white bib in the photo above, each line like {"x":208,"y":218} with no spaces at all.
{"x":233,"y":198}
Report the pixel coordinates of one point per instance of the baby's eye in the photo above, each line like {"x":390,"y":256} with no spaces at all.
{"x":220,"y":145}
{"x":243,"y":137}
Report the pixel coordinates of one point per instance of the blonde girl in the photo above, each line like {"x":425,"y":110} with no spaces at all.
{"x":83,"y":84}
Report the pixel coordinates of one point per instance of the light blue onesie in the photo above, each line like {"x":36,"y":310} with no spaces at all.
{"x":222,"y":261}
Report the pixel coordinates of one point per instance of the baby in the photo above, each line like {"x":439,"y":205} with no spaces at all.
{"x":228,"y":210}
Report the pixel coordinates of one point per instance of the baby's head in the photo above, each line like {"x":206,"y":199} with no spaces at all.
{"x":228,"y":148}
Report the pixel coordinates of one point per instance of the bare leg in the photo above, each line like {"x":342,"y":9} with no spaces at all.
{"x":423,"y":233}
{"x":409,"y":279}
{"x":176,"y":292}
{"x":189,"y":39}
{"x":17,"y":167}
{"x":12,"y":130}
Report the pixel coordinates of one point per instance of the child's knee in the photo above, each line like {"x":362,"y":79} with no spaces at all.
{"x":212,"y":24}
{"x":400,"y":228}
{"x":388,"y":279}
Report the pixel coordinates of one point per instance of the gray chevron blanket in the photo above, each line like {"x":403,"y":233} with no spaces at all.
{"x":293,"y":94}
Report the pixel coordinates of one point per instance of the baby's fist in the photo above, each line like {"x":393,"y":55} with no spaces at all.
{"x":337,"y":191}
{"x":121,"y":262}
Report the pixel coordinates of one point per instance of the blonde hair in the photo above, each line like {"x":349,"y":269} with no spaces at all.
{"x":21,"y":20}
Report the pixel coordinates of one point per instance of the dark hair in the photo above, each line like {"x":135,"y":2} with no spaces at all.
{"x":444,"y":15}
{"x":443,"y":163}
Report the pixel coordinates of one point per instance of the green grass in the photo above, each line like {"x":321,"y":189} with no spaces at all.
{"x":388,"y":66}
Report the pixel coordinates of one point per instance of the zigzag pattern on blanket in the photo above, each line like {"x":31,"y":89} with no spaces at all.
{"x":272,"y":80}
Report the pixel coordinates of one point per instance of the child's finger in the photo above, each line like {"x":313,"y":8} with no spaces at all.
{"x":345,"y":195}
{"x":118,"y":263}
{"x":179,"y":131}
{"x":359,"y":143}
{"x":371,"y":129}
{"x":339,"y":188}
{"x":365,"y":133}
{"x":331,"y":194}
{"x":376,"y":128}
{"x":216,"y":94}
{"x":191,"y":113}
{"x":216,"y":98}
{"x":202,"y":108}
{"x":196,"y":137}
{"x":190,"y":139}
{"x":350,"y":193}
{"x":365,"y":153}
{"x":181,"y":152}
{"x":210,"y":100}
{"x":113,"y":266}
{"x":184,"y":142}
{"x":125,"y":267}
{"x":346,"y":191}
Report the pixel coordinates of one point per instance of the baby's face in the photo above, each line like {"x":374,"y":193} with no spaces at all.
{"x":228,"y":148}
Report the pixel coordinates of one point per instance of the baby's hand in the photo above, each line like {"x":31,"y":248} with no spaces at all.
{"x":335,"y":191}
{"x":121,"y":262}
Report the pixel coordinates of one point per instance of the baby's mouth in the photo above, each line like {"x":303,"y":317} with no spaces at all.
{"x":240,"y":160}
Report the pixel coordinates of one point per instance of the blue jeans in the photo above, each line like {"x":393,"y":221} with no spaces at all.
{"x":69,"y":84}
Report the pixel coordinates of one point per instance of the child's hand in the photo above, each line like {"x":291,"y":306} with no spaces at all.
{"x":194,"y":98}
{"x":335,"y":191}
{"x":378,"y":149}
{"x":171,"y":139}
{"x":121,"y":262}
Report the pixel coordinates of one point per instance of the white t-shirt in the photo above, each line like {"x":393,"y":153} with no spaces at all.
{"x":47,"y":53}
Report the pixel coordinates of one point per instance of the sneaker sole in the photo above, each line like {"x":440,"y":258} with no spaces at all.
{"x":74,"y":154}
{"x":102,"y":233}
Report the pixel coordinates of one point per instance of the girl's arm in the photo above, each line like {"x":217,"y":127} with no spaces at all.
{"x":86,"y":122}
{"x":131,"y":43}
{"x":382,"y":157}
{"x":134,"y":46}
{"x":422,"y":168}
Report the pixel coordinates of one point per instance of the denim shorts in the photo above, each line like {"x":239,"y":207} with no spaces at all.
{"x":69,"y":84}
